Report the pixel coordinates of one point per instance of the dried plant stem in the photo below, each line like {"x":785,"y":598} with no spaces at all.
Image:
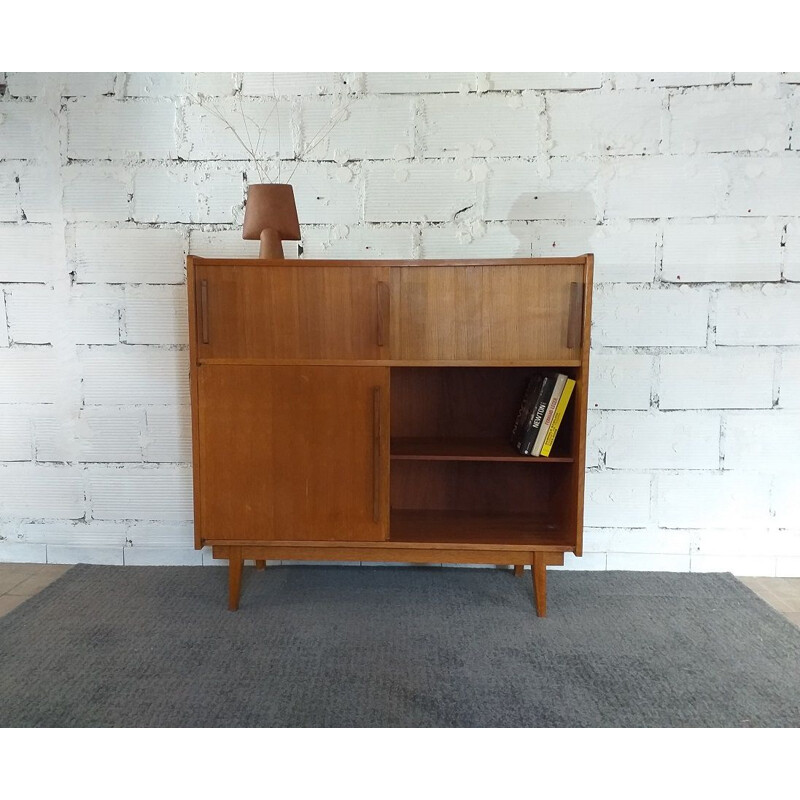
{"x":252,"y":150}
{"x":316,"y":140}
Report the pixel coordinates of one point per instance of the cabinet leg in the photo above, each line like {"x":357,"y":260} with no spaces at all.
{"x":539,"y":575}
{"x":235,"y":563}
{"x":261,"y":563}
{"x":519,"y":570}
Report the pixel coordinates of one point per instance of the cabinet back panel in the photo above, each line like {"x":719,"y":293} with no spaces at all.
{"x":541,"y":490}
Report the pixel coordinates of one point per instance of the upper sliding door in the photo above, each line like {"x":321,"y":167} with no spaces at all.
{"x":508,"y":313}
{"x":290,"y":312}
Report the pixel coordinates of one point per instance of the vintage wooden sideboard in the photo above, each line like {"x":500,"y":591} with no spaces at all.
{"x":361,"y":410}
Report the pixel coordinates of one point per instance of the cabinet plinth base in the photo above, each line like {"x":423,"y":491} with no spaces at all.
{"x":538,"y":560}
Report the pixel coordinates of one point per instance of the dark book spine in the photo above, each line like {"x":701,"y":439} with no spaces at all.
{"x":531,"y":430}
{"x":531,"y":392}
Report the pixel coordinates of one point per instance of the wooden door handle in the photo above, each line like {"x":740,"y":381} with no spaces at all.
{"x":204,"y":310}
{"x":383,"y":313}
{"x":376,"y":454}
{"x":575,"y":323}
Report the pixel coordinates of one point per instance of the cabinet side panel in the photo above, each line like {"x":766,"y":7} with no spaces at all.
{"x":191,"y":309}
{"x":582,"y":400}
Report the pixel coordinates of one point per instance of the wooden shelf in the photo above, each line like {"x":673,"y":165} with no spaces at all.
{"x":429,"y":527}
{"x":413,"y":448}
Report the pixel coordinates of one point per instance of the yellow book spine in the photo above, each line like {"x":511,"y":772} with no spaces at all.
{"x":557,"y":417}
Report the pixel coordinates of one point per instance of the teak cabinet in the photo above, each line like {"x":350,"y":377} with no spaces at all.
{"x":362,"y":410}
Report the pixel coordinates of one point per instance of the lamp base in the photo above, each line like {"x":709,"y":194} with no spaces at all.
{"x":271,"y":246}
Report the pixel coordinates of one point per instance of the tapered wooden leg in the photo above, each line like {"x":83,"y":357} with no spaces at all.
{"x":261,"y":563}
{"x":519,"y":570}
{"x":234,"y":578}
{"x":539,"y":574}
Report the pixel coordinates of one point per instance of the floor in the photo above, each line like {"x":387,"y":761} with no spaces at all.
{"x":18,"y":582}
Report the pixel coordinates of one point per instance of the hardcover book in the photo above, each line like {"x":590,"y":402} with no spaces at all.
{"x":548,"y":414}
{"x":561,"y":407}
{"x":527,"y":436}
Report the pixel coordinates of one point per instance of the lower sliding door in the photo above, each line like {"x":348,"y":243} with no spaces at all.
{"x":293,"y":453}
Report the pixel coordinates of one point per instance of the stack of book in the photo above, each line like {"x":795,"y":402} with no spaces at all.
{"x":543,"y":406}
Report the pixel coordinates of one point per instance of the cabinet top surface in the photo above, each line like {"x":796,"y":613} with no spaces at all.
{"x":387,"y":262}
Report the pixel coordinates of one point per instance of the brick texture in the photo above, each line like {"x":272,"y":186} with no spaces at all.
{"x":685,"y":186}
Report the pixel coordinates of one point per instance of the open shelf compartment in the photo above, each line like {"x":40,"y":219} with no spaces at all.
{"x":466,"y":413}
{"x":480,"y":502}
{"x":455,"y":476}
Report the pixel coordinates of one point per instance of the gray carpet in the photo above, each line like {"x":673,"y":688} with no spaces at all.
{"x":357,"y":646}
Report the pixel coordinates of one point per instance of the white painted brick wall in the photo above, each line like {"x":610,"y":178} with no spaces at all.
{"x":791,"y":269}
{"x":110,"y":128}
{"x":187,"y":194}
{"x":168,"y":434}
{"x":764,"y":440}
{"x":134,"y":375}
{"x":41,"y":491}
{"x":207,"y":137}
{"x":646,"y":317}
{"x":721,"y":500}
{"x":110,"y":434}
{"x":418,"y":192}
{"x":95,"y":194}
{"x":562,"y":189}
{"x":28,"y":253}
{"x":615,"y":498}
{"x":135,"y":255}
{"x":645,"y":80}
{"x":24,"y":128}
{"x":669,"y":178}
{"x":666,"y":186}
{"x":790,"y":380}
{"x":726,"y":120}
{"x":373,"y":127}
{"x":16,"y":433}
{"x":758,"y":316}
{"x":761,"y":186}
{"x":418,"y":82}
{"x":474,"y":239}
{"x":722,"y":251}
{"x":177,"y":84}
{"x":290,"y":84}
{"x":767,"y":78}
{"x":620,"y":380}
{"x":324,"y":194}
{"x":223,"y":244}
{"x":40,"y":192}
{"x":502,"y":81}
{"x":3,"y":322}
{"x":483,"y":125}
{"x":600,"y":123}
{"x":687,"y":440}
{"x":786,"y":500}
{"x":80,"y":534}
{"x":156,"y":315}
{"x":155,"y":493}
{"x":723,"y":378}
{"x":9,"y":194}
{"x":30,"y":375}
{"x":36,"y":316}
{"x":359,"y":241}
{"x":67,"y":84}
